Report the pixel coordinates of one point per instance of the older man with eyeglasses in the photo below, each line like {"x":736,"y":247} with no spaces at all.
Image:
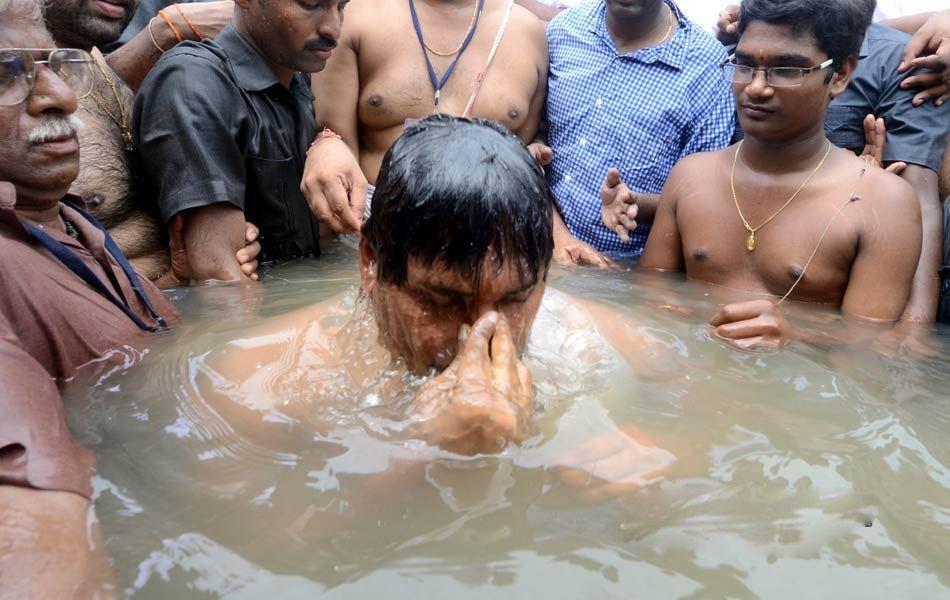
{"x":68,"y":297}
{"x":785,"y":215}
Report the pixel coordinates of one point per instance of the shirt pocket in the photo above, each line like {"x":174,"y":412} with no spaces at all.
{"x":844,"y":126}
{"x":269,"y":205}
{"x":647,"y":151}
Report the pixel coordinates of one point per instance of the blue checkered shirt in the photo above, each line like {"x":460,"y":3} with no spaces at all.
{"x":639,"y":112}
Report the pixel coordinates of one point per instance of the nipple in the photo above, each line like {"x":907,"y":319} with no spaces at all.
{"x":376,"y":100}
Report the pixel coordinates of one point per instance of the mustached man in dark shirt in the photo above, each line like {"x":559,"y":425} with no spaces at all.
{"x":224,"y":126}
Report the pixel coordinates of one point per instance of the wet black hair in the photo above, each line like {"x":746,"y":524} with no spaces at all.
{"x":451,"y":191}
{"x":838,"y":26}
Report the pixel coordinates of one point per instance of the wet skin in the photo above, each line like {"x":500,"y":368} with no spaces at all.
{"x":377,"y":78}
{"x":867,"y":260}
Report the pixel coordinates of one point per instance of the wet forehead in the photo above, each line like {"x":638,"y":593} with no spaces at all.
{"x":494,"y":281}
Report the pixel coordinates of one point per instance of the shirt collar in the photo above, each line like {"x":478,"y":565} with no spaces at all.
{"x":673,"y":53}
{"x":252,"y":71}
{"x":8,"y":213}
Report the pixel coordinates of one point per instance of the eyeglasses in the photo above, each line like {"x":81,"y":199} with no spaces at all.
{"x":775,"y":76}
{"x":18,"y":71}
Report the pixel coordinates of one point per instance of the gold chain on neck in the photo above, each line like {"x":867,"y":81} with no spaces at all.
{"x":464,"y":37}
{"x":750,"y":241}
{"x":119,"y":119}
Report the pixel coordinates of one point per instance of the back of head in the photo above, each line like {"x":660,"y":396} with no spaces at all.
{"x":838,"y":26}
{"x":455,"y":192}
{"x":21,"y":12}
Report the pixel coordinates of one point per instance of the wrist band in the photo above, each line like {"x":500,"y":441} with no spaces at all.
{"x":170,"y":25}
{"x":326,"y":133}
{"x":152,"y":35}
{"x":188,"y":22}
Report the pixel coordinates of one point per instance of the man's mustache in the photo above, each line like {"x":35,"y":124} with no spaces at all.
{"x":320,"y":44}
{"x":54,"y":129}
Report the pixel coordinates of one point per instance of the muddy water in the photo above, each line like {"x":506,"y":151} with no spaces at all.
{"x":805,"y":473}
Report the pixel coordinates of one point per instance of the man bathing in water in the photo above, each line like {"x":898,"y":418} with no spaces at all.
{"x":751,"y":216}
{"x":399,"y":61}
{"x":453,"y":262}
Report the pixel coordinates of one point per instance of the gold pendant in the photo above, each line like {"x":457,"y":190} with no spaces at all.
{"x":750,"y":242}
{"x":127,"y":138}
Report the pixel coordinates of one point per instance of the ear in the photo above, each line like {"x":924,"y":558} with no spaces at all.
{"x":369,"y":266}
{"x":841,"y":78}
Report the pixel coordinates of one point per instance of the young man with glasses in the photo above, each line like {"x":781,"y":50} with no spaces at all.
{"x":785,"y":214}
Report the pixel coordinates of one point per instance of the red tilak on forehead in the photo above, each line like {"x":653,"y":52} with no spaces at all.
{"x":761,"y":55}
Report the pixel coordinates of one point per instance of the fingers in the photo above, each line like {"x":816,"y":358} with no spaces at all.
{"x":358,"y":199}
{"x":938,"y":94}
{"x":475,"y":353}
{"x":504,"y":358}
{"x":915,"y":47}
{"x":745,"y":329}
{"x":588,"y":255}
{"x":251,"y":232}
{"x":897,"y":168}
{"x":343,"y":217}
{"x":740,"y":311}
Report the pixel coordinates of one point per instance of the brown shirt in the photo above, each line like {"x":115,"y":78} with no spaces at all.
{"x":51,"y":324}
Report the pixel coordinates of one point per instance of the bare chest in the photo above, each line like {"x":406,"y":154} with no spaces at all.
{"x":395,"y":83}
{"x":805,"y":244}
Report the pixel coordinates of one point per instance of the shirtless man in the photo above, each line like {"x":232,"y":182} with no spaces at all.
{"x":444,"y":297}
{"x":794,"y":194}
{"x":379,"y":77}
{"x":109,"y":178}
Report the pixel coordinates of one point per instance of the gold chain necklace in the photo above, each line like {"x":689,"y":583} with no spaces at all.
{"x":670,"y":29}
{"x":750,"y":243}
{"x":119,"y":120}
{"x":464,"y":37}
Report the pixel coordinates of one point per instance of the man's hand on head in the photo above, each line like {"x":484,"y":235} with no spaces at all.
{"x":619,"y":207}
{"x":335,"y":186}
{"x":612,"y":465}
{"x":929,"y":51}
{"x":754,"y":325}
{"x":482,"y":400}
{"x":727,"y":27}
{"x":875,"y":140}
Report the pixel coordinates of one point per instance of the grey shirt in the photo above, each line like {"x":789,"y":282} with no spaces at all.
{"x":915,"y":135}
{"x":214,"y":124}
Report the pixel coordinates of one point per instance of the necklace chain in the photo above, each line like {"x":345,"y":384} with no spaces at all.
{"x":458,"y":49}
{"x":751,"y":241}
{"x":119,"y":119}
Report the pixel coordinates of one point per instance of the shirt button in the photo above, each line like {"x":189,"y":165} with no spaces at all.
{"x":599,"y":102}
{"x":583,"y":141}
{"x":568,"y":177}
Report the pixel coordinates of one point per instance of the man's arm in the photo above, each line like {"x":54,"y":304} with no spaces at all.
{"x":46,"y":550}
{"x":333,"y":182}
{"x":133,"y":60}
{"x":45,"y":485}
{"x":922,"y":305}
{"x":888,"y":251}
{"x":213,"y":234}
{"x":189,"y":141}
{"x":664,"y":249}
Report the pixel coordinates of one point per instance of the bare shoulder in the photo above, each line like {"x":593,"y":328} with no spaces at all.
{"x":888,"y":196}
{"x":694,"y":171}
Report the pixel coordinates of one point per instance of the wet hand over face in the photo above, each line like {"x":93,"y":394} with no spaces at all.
{"x":754,"y":325}
{"x":482,"y":400}
{"x":612,"y":465}
{"x":335,"y":186}
{"x":619,"y":208}
{"x":929,"y":52}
